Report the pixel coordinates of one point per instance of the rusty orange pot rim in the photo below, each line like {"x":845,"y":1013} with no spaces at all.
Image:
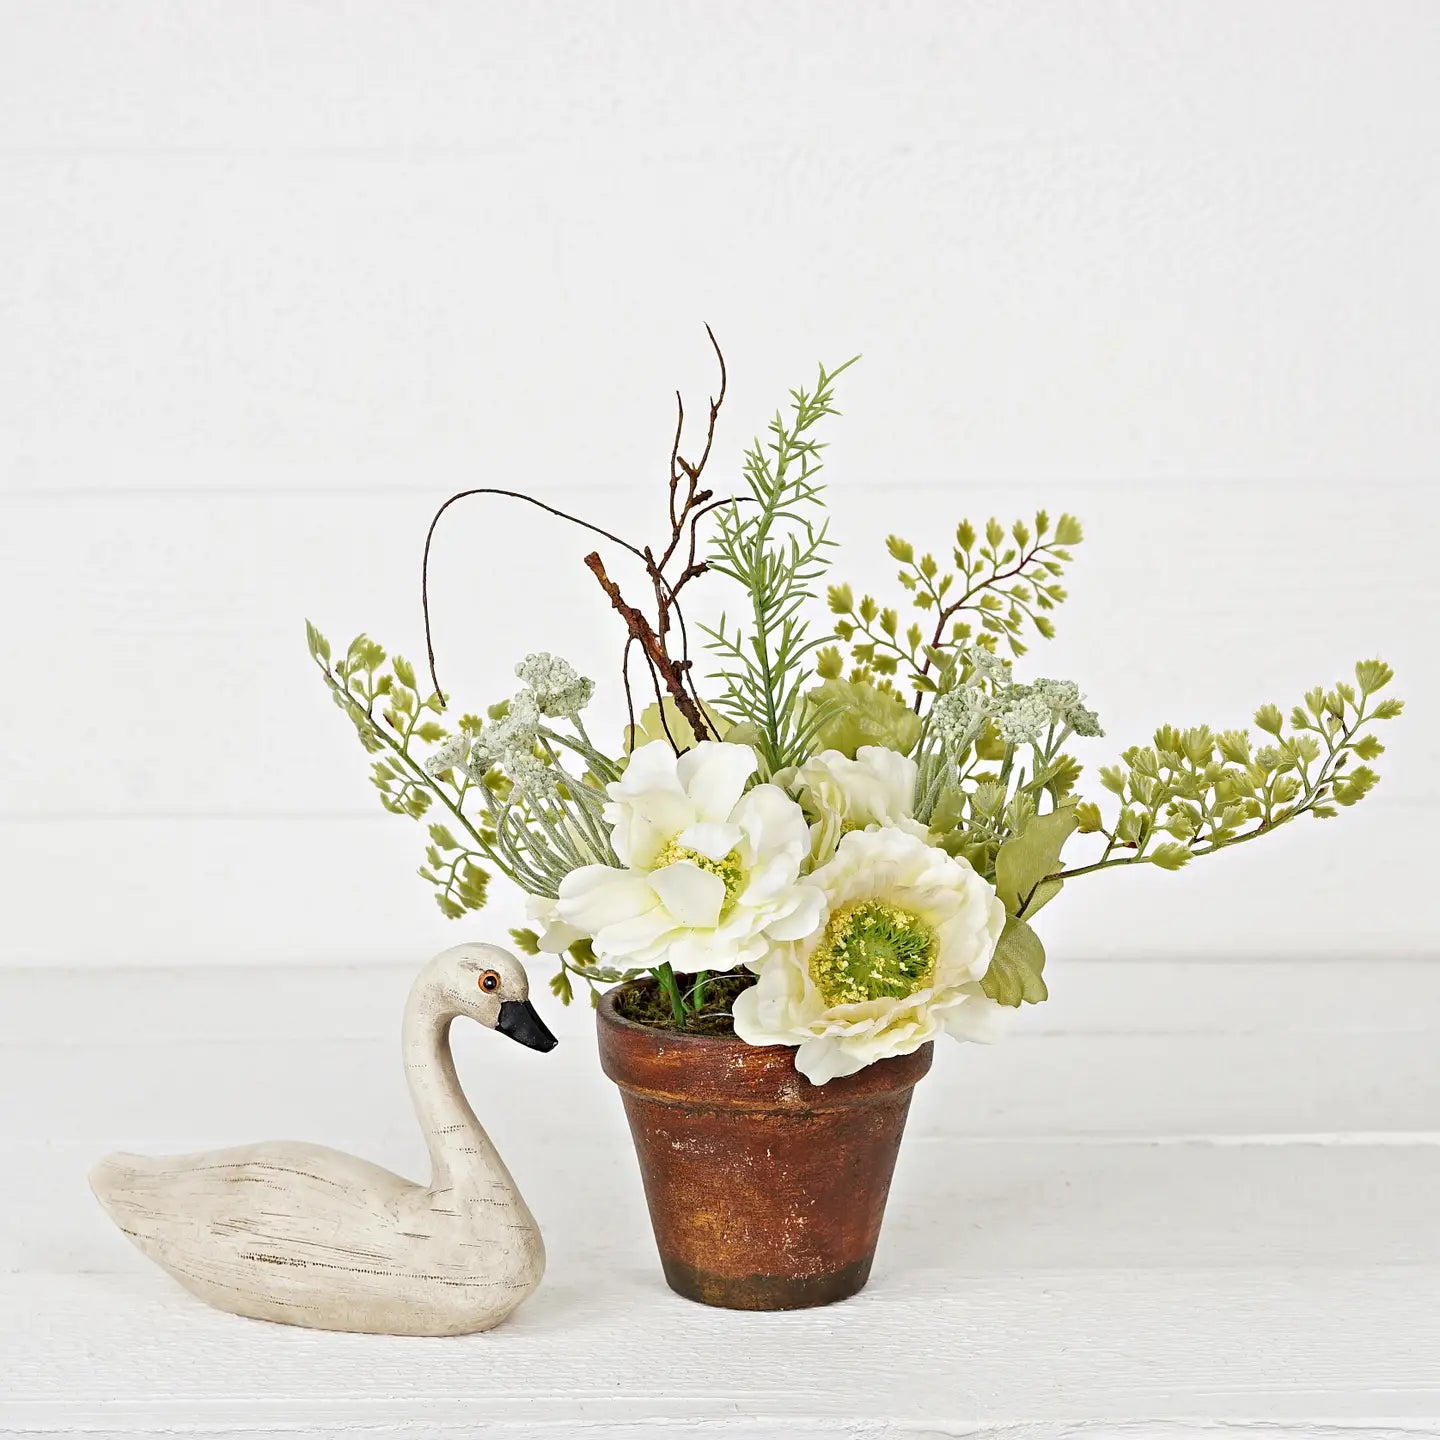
{"x":688,"y":1037}
{"x":682,"y":1068}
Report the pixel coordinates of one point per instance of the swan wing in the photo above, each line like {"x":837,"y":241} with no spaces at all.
{"x":276,"y":1204}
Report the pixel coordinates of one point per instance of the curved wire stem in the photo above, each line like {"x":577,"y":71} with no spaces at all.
{"x":509,"y":495}
{"x":689,"y":503}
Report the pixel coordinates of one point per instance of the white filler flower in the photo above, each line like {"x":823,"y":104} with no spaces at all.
{"x":909,"y":936}
{"x":712,"y":873}
{"x":876,"y":788}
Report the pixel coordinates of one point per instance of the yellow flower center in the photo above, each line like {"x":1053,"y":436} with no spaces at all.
{"x":873,"y":950}
{"x":730,"y":868}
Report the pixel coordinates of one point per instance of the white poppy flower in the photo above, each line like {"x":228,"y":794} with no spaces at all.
{"x":555,"y":936}
{"x":908,"y":937}
{"x":711,"y":873}
{"x":876,"y":788}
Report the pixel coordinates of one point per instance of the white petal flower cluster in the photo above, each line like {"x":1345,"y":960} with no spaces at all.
{"x":1067,"y":706}
{"x":1022,"y":713}
{"x":452,"y":752}
{"x":1028,"y":711}
{"x":907,"y":937}
{"x":558,"y":688}
{"x":959,"y":715}
{"x":508,"y":742}
{"x":709,"y":873}
{"x":1024,"y":718}
{"x":875,"y":789}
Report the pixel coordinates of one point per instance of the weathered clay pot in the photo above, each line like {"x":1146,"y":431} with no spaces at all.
{"x":766,"y":1192}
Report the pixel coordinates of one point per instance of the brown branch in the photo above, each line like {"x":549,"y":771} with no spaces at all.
{"x":688,"y":503}
{"x":671,"y":672}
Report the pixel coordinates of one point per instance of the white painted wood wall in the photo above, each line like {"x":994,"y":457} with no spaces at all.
{"x":276,"y":278}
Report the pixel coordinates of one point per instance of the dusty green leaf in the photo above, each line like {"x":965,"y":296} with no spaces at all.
{"x":1016,"y":969}
{"x":1029,"y":857}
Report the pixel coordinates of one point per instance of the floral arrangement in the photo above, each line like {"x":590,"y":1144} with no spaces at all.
{"x":838,"y":835}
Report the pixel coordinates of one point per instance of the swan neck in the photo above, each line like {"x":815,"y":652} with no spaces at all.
{"x":462,"y":1156}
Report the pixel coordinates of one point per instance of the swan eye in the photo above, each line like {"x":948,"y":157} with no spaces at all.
{"x":489,"y":982}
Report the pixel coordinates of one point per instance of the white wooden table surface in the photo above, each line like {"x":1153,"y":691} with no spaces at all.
{"x":1185,"y":1198}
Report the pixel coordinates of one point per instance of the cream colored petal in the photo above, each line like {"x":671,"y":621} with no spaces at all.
{"x":690,"y":950}
{"x":896,"y":774}
{"x":693,"y":896}
{"x":769,"y":881}
{"x":652,"y":767}
{"x":803,"y":914}
{"x":773,"y":824}
{"x":643,"y":825}
{"x":634,"y":939}
{"x":978,"y":1018}
{"x":825,"y":1059}
{"x":770,"y":1011}
{"x":713,"y":775}
{"x":596,"y":896}
{"x":712,"y":840}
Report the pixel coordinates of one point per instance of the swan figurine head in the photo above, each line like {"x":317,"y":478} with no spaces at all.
{"x":488,"y":984}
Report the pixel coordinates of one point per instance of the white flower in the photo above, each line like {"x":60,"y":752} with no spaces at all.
{"x":530,"y":776}
{"x":450,"y":753}
{"x":908,"y":937}
{"x":988,"y":666}
{"x":1024,"y":717}
{"x":959,"y":715}
{"x":555,"y":936}
{"x":557,"y":687}
{"x":876,"y":788}
{"x":1060,"y":695}
{"x":711,"y":873}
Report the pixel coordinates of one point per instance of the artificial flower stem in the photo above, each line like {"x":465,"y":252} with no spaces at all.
{"x":665,"y":975}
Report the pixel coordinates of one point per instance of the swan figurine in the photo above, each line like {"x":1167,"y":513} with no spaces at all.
{"x":305,"y":1235}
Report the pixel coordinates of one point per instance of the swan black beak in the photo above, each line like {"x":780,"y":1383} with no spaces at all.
{"x":519,"y":1021}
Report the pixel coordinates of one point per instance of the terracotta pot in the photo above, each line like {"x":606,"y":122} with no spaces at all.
{"x":766,"y":1192}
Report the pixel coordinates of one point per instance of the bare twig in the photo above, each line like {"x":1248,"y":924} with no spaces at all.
{"x":666,"y":672}
{"x":689,"y":502}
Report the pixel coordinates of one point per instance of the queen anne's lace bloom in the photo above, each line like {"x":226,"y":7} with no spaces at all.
{"x":908,"y":936}
{"x":988,"y":666}
{"x":709,"y":874}
{"x":530,"y":776}
{"x":959,"y":715}
{"x":1063,"y":700}
{"x":508,"y":742}
{"x":1060,"y":695}
{"x":558,"y":688}
{"x":449,"y":754}
{"x":1024,"y":716}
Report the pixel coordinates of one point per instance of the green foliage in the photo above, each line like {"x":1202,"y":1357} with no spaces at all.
{"x":390,"y":715}
{"x":1192,"y":792}
{"x":847,"y":714}
{"x":1002,"y":580}
{"x":662,"y":720}
{"x":775,"y":547}
{"x":1015,"y":969}
{"x":578,"y":961}
{"x":1025,"y":863}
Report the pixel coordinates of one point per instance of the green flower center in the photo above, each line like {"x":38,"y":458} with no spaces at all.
{"x":872,"y":950}
{"x":730,"y":868}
